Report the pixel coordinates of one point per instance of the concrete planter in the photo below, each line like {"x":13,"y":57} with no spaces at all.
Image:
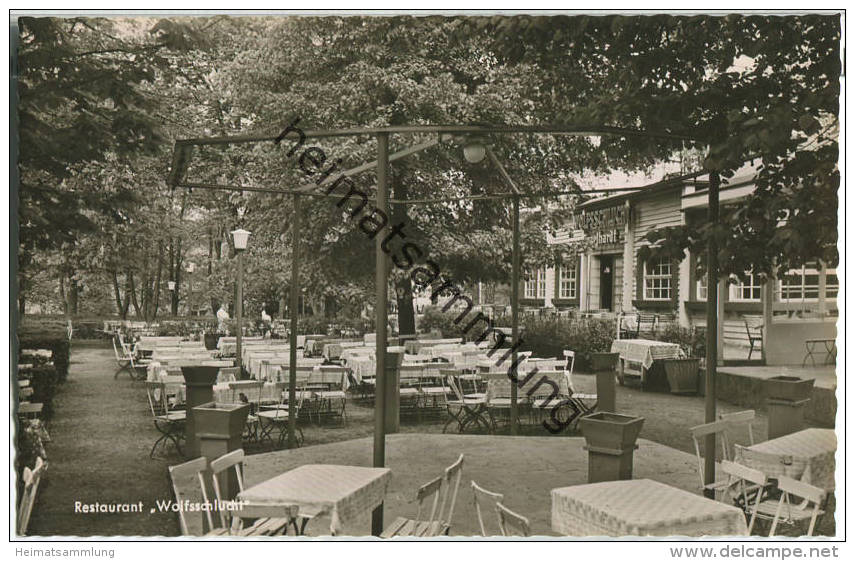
{"x":610,"y":441}
{"x":601,"y":362}
{"x":682,"y":374}
{"x":211,"y":340}
{"x":788,"y":388}
{"x":223,"y":420}
{"x":611,"y":430}
{"x":199,"y":381}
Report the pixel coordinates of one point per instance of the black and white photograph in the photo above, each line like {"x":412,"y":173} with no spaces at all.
{"x":428,"y":276}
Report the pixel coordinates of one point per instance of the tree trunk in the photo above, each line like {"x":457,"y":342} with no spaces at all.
{"x":177,"y":279}
{"x":127,"y":301}
{"x":404,"y":287}
{"x":116,"y":292}
{"x":406,"y":314}
{"x":73,"y":296}
{"x":22,"y":305}
{"x":157,"y":278}
{"x":133,"y":291}
{"x":62,"y":294}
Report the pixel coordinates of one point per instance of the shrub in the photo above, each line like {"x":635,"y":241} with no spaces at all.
{"x":693,"y":343}
{"x":435,"y":318}
{"x":58,"y":345}
{"x":549,"y":337}
{"x":45,"y":380}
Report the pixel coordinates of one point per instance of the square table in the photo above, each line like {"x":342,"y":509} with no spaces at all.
{"x":346,"y":493}
{"x":807,"y":455}
{"x":641,"y":507}
{"x":643,"y":351}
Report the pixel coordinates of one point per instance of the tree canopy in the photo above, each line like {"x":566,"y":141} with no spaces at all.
{"x":101,"y":101}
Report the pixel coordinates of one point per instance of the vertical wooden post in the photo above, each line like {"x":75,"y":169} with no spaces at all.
{"x":515,"y":311}
{"x":768,"y":300}
{"x":381,"y":287}
{"x":822,"y":309}
{"x":712,"y":330}
{"x":239,"y":313}
{"x":292,"y":337}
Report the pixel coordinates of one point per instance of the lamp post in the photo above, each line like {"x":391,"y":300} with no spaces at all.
{"x":172,"y":306}
{"x":240,"y":237}
{"x":191,"y":267}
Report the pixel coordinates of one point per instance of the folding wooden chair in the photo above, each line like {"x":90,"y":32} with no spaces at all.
{"x":328,"y":385}
{"x":718,"y":428}
{"x":232,"y":519}
{"x":754,"y":331}
{"x":28,"y":496}
{"x":745,"y":487}
{"x":181,"y":475}
{"x":169,"y":422}
{"x":585,"y":403}
{"x":499,"y":399}
{"x":248,"y":391}
{"x":741,"y":418}
{"x":276,"y":417}
{"x":511,"y":523}
{"x":126,"y":361}
{"x":481,"y":496}
{"x":461,"y":408}
{"x":790,"y":514}
{"x":438,"y":522}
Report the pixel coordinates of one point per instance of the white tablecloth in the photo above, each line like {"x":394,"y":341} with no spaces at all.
{"x":807,"y":455}
{"x":645,"y":351}
{"x":347,"y":493}
{"x":641,"y":507}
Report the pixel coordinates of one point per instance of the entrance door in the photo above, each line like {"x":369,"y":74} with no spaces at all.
{"x":607,"y":284}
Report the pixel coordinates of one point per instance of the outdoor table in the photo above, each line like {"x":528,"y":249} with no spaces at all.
{"x":346,"y":493}
{"x":641,"y":507}
{"x":644,"y":352}
{"x":31,"y":410}
{"x":807,"y":455}
{"x":362,"y":368}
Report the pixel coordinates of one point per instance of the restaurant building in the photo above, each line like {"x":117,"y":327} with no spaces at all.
{"x":605,"y":273}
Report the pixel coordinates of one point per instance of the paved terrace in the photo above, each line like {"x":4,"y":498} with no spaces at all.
{"x":524,"y":469}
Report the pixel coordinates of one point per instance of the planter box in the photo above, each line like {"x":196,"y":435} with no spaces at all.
{"x":211,"y":340}
{"x":610,"y":439}
{"x":200,"y":375}
{"x":611,"y":430}
{"x":682,"y":374}
{"x":601,"y":362}
{"x":223,"y":420}
{"x":789,"y":388}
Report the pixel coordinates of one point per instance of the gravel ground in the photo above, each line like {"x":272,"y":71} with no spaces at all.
{"x":102,"y":433}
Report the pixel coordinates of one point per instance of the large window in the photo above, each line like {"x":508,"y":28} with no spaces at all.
{"x":567,"y":281}
{"x":702,"y":287}
{"x":802,"y":285}
{"x":749,"y":290}
{"x":535,"y":284}
{"x":657,"y":279}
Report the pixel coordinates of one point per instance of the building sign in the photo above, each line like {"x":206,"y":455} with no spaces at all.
{"x":603,"y":219}
{"x":604,"y":225}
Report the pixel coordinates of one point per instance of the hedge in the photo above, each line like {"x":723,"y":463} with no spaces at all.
{"x":60,"y":349}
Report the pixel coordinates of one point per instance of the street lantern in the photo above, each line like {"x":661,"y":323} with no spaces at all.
{"x":474,"y":150}
{"x":241,"y":238}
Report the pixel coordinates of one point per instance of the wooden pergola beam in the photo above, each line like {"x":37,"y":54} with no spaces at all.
{"x":569,"y":130}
